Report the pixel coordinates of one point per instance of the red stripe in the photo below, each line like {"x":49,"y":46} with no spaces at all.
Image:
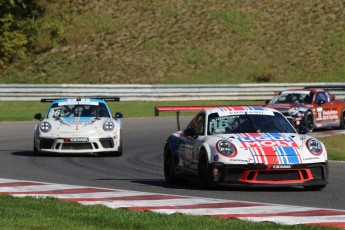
{"x":329,"y":224}
{"x":62,"y":191}
{"x":144,"y":197}
{"x":15,"y":184}
{"x":321,"y":212}
{"x":197,"y":206}
{"x":271,"y":155}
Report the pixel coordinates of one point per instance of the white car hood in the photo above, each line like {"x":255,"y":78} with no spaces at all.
{"x":77,"y":125}
{"x":272,"y":148}
{"x":271,"y":143}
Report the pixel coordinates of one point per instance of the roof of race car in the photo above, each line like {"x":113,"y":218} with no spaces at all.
{"x":305,"y":90}
{"x":74,"y":101}
{"x":233,"y":110}
{"x":80,"y":101}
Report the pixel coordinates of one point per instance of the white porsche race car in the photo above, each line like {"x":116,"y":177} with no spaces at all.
{"x":78,"y":125}
{"x":244,"y":145}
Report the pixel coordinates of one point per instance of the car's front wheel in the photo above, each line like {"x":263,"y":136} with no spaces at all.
{"x":308,"y":121}
{"x":36,"y":152}
{"x":169,"y":165}
{"x":204,"y":171}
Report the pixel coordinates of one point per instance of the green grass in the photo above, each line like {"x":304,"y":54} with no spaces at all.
{"x":50,"y":213}
{"x":335,"y":146}
{"x":184,"y":42}
{"x":25,"y":111}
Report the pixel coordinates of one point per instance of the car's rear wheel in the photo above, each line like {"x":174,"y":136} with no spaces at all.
{"x":169,"y":165}
{"x":308,"y":121}
{"x":314,"y":187}
{"x":204,"y":171}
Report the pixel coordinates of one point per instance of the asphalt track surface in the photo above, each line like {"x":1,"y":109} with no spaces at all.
{"x":141,"y":167}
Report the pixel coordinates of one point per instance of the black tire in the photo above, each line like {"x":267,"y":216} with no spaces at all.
{"x":35,"y":150}
{"x":342,"y":120}
{"x":314,"y":187}
{"x":204,"y":171}
{"x":169,"y":165}
{"x":308,"y":121}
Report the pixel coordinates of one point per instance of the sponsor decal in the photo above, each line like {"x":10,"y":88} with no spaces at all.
{"x":79,"y":139}
{"x":265,"y":140}
{"x":330,"y":115}
{"x":271,"y":149}
{"x":76,"y":139}
{"x":311,"y":158}
{"x":241,"y":160}
{"x":281,"y":167}
{"x":69,"y":121}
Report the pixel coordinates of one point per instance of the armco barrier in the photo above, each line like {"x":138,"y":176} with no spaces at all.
{"x":146,"y":92}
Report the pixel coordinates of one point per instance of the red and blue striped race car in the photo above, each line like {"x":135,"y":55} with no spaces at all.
{"x":244,"y":145}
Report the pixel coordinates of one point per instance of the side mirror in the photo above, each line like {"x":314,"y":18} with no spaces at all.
{"x":190,"y":132}
{"x":38,"y":116}
{"x":267,"y":101}
{"x":302,"y":129}
{"x":118,"y":115}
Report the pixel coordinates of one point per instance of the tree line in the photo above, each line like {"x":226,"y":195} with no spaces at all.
{"x":17,"y":28}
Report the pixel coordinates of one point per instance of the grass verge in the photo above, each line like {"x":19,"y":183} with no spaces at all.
{"x":25,"y":111}
{"x":51,"y":213}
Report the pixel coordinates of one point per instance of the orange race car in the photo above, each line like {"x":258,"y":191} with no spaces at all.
{"x":312,"y":108}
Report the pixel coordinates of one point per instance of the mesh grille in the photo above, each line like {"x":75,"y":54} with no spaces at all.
{"x":76,"y":146}
{"x":278,"y":175}
{"x":46,"y":143}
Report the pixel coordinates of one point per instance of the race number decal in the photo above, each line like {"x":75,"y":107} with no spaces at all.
{"x":319,"y":113}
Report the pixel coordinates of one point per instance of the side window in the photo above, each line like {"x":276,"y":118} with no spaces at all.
{"x":198,"y":123}
{"x":331,"y":97}
{"x":321,"y":96}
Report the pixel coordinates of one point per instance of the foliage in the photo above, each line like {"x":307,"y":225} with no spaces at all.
{"x":16,"y":20}
{"x":201,"y":42}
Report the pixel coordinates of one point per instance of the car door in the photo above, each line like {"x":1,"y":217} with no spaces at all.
{"x":192,"y":145}
{"x":326,"y":110}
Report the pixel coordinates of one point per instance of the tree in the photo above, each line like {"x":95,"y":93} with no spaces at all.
{"x":16,"y":16}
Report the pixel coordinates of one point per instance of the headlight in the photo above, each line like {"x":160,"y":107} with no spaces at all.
{"x":314,"y":146}
{"x":108,"y":126}
{"x":226,"y":148}
{"x":45,"y":127}
{"x":293,"y":111}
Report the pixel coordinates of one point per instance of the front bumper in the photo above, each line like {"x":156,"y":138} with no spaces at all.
{"x":315,"y":174}
{"x":64,"y":145}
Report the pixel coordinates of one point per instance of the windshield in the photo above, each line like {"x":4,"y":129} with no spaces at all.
{"x":293,"y":97}
{"x":77,"y":110}
{"x":248,"y":123}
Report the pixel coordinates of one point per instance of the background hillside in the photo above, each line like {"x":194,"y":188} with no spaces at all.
{"x":223,"y":41}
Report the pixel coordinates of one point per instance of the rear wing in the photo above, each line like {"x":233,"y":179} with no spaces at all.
{"x":100,"y":98}
{"x":178,"y":109}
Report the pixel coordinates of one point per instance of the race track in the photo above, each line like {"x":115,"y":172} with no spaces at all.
{"x":140,"y":168}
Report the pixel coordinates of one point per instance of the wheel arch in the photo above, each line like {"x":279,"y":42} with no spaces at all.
{"x":176,"y":156}
{"x":205,"y":147}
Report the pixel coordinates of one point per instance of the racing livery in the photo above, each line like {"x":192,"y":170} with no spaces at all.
{"x":78,"y":125}
{"x":247,"y":146}
{"x":312,"y":108}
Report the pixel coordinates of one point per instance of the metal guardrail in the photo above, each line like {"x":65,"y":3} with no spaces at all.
{"x":146,"y":92}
